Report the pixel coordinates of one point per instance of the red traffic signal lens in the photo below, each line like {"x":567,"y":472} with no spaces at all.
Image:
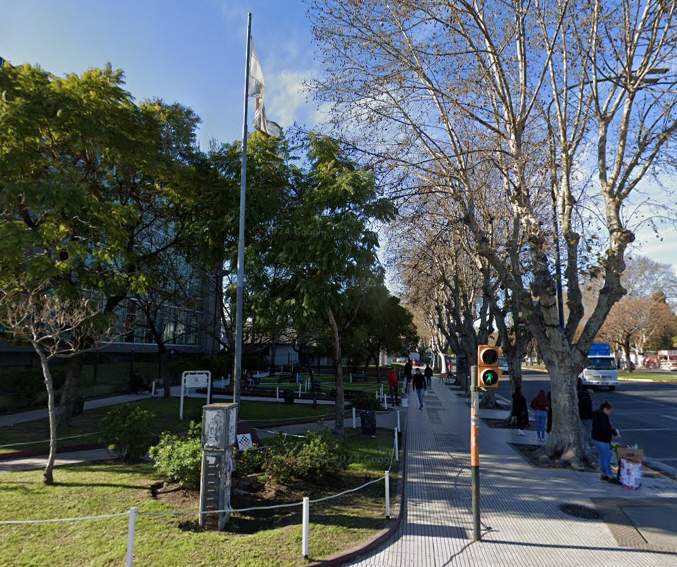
{"x":489,"y":356}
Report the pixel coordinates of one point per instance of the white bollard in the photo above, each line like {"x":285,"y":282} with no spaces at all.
{"x":397,"y":450}
{"x":306,"y":526}
{"x":387,"y":483}
{"x":152,"y":394}
{"x":354,"y":419}
{"x":398,"y":421}
{"x":385,"y":401}
{"x":382,"y":394}
{"x":351,"y":377}
{"x":130,"y":537}
{"x":299,"y":391}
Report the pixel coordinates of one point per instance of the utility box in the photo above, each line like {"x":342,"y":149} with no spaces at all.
{"x":219,"y":430}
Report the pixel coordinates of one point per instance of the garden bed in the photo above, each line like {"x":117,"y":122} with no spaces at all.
{"x":262,"y":539}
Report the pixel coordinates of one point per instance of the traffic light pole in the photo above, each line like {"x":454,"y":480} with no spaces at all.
{"x":475,"y":452}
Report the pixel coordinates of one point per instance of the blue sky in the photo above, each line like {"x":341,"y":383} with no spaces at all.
{"x":187,"y":52}
{"x":192,"y":52}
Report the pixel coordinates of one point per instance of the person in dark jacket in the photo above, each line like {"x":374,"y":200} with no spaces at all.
{"x":520,"y":411}
{"x":419,"y":386}
{"x":428,"y":373}
{"x":585,"y":411}
{"x":602,"y":434}
{"x":407,"y":372}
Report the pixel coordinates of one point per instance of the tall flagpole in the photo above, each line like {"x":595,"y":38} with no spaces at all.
{"x":237,"y":367}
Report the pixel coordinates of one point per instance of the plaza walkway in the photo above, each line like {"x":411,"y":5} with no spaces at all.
{"x":521,"y":519}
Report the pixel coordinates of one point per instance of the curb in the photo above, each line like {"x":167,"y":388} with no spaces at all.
{"x":385,"y":534}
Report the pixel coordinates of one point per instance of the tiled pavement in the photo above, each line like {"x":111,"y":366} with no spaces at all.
{"x":522,"y":524}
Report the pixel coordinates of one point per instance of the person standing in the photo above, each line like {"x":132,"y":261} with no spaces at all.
{"x":393,"y":383}
{"x":520,"y":411}
{"x":602,"y":434}
{"x":585,"y":412}
{"x":540,"y":406}
{"x":419,"y":386}
{"x":428,"y":372}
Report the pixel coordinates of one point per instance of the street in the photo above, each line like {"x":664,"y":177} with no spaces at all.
{"x":644,"y":412}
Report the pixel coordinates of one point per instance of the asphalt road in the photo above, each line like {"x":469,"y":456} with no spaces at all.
{"x":645,"y":413}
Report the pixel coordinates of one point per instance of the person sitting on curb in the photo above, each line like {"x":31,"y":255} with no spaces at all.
{"x":419,"y":386}
{"x":602,"y":433}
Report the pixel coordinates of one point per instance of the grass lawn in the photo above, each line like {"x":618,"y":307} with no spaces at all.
{"x":656,"y":376}
{"x":167,"y":419}
{"x":94,"y":489}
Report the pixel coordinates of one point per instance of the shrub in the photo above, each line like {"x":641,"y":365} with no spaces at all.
{"x":28,"y":383}
{"x":125,"y":430}
{"x":320,"y":455}
{"x":366,"y":402}
{"x":179,"y":458}
{"x":249,"y":462}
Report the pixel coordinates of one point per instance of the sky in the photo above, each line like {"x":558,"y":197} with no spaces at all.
{"x":193,"y":52}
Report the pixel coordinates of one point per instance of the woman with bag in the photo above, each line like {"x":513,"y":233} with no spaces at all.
{"x":602,"y":433}
{"x":540,"y":406}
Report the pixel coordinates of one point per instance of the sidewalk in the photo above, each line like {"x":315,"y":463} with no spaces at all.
{"x":522,"y":523}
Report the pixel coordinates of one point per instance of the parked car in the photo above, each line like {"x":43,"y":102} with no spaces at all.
{"x":503,"y":365}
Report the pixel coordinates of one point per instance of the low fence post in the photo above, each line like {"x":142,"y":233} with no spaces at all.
{"x":354,"y":419}
{"x":385,"y":401}
{"x":397,"y":451}
{"x":130,"y":537}
{"x":398,"y":420}
{"x":299,"y":391}
{"x":387,"y":495}
{"x":306,"y":526}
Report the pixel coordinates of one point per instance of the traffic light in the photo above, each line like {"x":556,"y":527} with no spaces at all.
{"x":487,"y":362}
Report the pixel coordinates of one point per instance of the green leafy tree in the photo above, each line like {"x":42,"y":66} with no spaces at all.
{"x":86,"y":177}
{"x":328,"y":244}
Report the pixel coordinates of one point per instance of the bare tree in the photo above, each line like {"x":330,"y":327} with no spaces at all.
{"x":53,"y":326}
{"x":555,"y":108}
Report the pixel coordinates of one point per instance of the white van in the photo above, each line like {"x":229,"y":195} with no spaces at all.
{"x":601,"y":371}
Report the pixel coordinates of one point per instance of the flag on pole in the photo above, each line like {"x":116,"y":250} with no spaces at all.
{"x":257,"y":89}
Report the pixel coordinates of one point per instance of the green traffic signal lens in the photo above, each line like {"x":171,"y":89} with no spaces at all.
{"x":490,"y":378}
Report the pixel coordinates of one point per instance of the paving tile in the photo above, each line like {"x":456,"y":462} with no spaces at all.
{"x":521,"y":520}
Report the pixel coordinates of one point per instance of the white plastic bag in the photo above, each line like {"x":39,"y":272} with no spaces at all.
{"x":630,"y":474}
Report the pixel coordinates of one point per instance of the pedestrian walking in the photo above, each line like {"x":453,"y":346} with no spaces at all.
{"x":428,"y":372}
{"x":520,"y":411}
{"x":419,"y":386}
{"x":394,"y":387}
{"x":585,"y":412}
{"x":407,"y":372}
{"x":602,"y":434}
{"x":540,"y":406}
